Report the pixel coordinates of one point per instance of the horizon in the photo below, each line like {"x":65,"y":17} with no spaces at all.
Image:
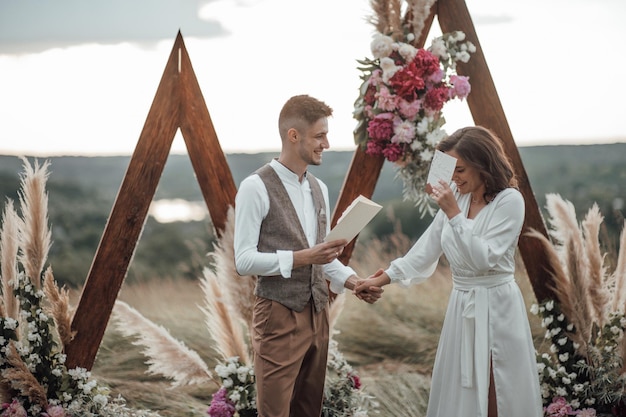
{"x":277,"y":151}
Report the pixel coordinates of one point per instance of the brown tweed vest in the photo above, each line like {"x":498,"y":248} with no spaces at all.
{"x":281,"y":230}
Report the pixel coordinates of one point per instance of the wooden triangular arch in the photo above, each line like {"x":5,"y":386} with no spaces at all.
{"x":486,"y":111}
{"x":178,"y":103}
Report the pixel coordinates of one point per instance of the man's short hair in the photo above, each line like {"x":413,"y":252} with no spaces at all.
{"x":300,"y":112}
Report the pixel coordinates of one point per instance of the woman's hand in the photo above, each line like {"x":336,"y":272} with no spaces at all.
{"x":372,"y":285}
{"x":444,"y":197}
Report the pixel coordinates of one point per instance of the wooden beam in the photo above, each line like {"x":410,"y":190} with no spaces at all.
{"x":207,"y":158}
{"x":178,"y":103}
{"x":487,"y":111}
{"x":126,"y":220}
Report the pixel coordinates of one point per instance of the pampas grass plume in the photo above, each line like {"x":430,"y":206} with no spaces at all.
{"x":35,"y":237}
{"x":166,"y":355}
{"x":22,"y":379}
{"x":8,"y":258}
{"x":221,"y":320}
{"x":59,"y":308}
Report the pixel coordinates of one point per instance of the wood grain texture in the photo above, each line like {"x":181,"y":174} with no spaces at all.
{"x":207,"y":158}
{"x":178,"y":103}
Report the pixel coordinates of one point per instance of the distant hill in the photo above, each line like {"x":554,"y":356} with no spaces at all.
{"x":575,"y":171}
{"x":82,"y":191}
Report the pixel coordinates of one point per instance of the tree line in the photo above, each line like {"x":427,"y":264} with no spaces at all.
{"x":82,"y":191}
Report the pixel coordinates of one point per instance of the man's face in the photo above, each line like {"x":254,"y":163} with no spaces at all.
{"x":313,"y":142}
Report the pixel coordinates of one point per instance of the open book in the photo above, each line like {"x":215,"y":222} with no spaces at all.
{"x":354,"y":218}
{"x":441,"y":168}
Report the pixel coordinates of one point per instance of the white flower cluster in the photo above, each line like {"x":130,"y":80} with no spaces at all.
{"x":450,"y":48}
{"x":238,"y":380}
{"x":593,"y":379}
{"x":32,"y":336}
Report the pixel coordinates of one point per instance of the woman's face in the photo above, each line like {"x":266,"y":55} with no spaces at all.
{"x":466,"y":178}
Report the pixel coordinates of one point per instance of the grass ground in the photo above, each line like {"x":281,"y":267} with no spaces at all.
{"x":391,"y":344}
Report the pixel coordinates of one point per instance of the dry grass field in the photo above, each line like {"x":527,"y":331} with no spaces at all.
{"x":391,"y":343}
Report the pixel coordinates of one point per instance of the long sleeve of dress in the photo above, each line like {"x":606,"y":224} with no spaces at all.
{"x":421,"y":260}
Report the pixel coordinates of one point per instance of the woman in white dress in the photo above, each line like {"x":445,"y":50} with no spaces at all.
{"x":485,"y":363}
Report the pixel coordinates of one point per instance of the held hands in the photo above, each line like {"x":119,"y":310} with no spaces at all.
{"x":369,"y":294}
{"x":370,"y":289}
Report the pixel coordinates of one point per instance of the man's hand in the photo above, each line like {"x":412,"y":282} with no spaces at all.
{"x":369,"y":294}
{"x":319,"y":254}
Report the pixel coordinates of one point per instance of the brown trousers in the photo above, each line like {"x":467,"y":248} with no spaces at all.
{"x":291,"y":351}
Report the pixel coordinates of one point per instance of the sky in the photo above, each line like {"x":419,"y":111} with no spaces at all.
{"x":78,"y":77}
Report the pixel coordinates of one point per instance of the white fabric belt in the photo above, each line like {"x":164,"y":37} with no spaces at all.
{"x":475,"y":332}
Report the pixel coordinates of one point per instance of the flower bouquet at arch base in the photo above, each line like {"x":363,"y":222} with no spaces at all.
{"x":400,"y":106}
{"x":581,"y":365}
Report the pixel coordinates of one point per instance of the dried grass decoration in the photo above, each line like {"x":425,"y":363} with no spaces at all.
{"x":583,"y":368}
{"x":35,"y":320}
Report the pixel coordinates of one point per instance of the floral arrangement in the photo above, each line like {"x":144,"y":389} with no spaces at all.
{"x":237,"y":393}
{"x":35,"y":321}
{"x":343,"y":396}
{"x":582,"y":371}
{"x":399,"y":109}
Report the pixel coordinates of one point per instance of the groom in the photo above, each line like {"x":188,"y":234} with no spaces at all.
{"x":281,"y":219}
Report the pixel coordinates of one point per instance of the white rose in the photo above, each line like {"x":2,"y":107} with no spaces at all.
{"x":381,"y":46}
{"x":438,"y":48}
{"x":407,"y":51}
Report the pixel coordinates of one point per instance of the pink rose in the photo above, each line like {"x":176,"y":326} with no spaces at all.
{"x":392,"y":152}
{"x":386,"y":100}
{"x":54,"y":411}
{"x":587,"y":412}
{"x":220,"y":405}
{"x":356,"y":381}
{"x":426,"y":62}
{"x":460,"y":86}
{"x":13,"y":409}
{"x":375,"y":147}
{"x":436,"y":97}
{"x":409,"y":109}
{"x":559,"y":408}
{"x":435,"y":77}
{"x":404,"y":132}
{"x":381,"y":126}
{"x":408,"y":81}
{"x":370,"y":95}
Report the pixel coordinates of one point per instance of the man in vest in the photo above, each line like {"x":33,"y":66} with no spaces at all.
{"x":281,"y":219}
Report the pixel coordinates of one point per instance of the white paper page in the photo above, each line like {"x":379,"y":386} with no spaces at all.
{"x":441,"y":168}
{"x":356,"y":216}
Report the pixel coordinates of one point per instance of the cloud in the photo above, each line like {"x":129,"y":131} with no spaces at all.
{"x":37,"y":25}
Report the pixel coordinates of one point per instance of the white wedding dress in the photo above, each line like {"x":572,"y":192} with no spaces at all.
{"x":486,"y":318}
